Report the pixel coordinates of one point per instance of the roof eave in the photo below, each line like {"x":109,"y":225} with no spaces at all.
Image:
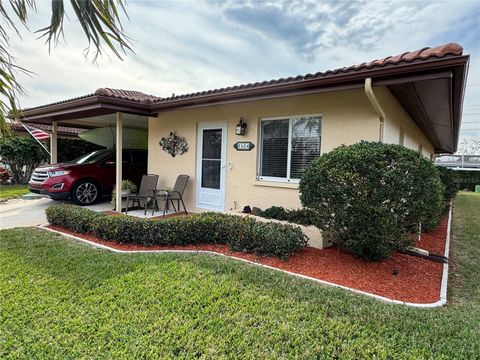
{"x":88,"y":105}
{"x":330,"y":81}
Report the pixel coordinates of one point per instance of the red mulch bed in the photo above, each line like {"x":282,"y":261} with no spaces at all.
{"x":418,"y":280}
{"x":432,"y":242}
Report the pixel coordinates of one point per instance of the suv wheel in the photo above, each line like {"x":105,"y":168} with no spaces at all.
{"x":86,"y":192}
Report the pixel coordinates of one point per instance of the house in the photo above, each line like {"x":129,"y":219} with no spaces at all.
{"x":62,"y":131}
{"x":414,"y":99}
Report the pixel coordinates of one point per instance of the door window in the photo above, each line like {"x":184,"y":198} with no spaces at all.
{"x":211,"y":158}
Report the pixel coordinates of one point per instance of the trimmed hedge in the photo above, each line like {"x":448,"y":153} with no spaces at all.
{"x":369,"y":194}
{"x":298,"y":216}
{"x":468,"y":179}
{"x":72,"y":217}
{"x":239,"y":233}
{"x":449,"y":179}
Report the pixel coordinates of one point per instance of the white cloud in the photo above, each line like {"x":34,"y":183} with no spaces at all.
{"x":190,"y":46}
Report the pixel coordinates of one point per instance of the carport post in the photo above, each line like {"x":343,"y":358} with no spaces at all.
{"x":118,"y":162}
{"x":53,"y":144}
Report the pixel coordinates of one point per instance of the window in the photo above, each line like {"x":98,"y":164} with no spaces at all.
{"x":92,"y":157}
{"x":287,"y":146}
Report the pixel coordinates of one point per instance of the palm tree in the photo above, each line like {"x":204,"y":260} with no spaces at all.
{"x":99,"y":20}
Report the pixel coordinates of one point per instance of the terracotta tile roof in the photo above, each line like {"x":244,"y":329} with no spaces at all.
{"x":131,"y":95}
{"x":424,"y":54}
{"x":62,"y":130}
{"x":58,"y":102}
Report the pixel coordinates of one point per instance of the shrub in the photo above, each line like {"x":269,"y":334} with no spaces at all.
{"x":367,"y":195}
{"x":4,"y":175}
{"x":298,"y":216}
{"x":126,"y":185}
{"x":71,"y":148}
{"x":468,"y":179}
{"x":241,"y":234}
{"x":268,"y":238}
{"x":450,"y":182}
{"x":274,"y":212}
{"x":72,"y":217}
{"x":22,"y":155}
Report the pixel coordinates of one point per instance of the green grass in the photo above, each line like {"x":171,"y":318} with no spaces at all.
{"x":12,"y":191}
{"x":61,"y":299}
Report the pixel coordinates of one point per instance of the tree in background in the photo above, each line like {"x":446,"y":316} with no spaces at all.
{"x":69,"y":149}
{"x":99,"y":20}
{"x":22,"y":155}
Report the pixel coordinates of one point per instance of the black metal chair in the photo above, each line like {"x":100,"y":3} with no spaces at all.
{"x":147,"y":193}
{"x":175,"y":194}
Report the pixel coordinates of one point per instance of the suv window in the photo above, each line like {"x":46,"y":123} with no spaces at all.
{"x":91,"y":157}
{"x":126,"y":158}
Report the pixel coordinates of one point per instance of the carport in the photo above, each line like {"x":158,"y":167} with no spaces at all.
{"x":104,"y":108}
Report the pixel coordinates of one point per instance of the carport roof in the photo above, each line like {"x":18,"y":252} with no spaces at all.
{"x":418,"y":79}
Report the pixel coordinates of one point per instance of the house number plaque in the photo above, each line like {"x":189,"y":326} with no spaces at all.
{"x":243,"y":146}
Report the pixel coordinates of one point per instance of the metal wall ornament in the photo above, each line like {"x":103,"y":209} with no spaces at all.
{"x":174,"y":145}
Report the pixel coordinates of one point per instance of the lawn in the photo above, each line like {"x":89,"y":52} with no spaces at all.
{"x":61,"y":299}
{"x":12,"y":191}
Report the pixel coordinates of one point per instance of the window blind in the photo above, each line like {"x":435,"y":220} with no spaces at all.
{"x":274,"y":148}
{"x":301,"y":136}
{"x":305,"y":144}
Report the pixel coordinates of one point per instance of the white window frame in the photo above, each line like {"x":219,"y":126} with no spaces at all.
{"x":290,"y":119}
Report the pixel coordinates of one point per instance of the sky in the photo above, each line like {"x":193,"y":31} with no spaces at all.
{"x":187,"y":46}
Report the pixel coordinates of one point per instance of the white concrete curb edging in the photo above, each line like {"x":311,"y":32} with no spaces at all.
{"x":443,"y":288}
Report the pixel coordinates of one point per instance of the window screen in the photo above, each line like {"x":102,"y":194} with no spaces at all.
{"x":274,"y":148}
{"x":288,"y":146}
{"x":305,"y":144}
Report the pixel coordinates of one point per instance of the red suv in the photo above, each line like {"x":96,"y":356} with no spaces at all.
{"x":88,"y":177}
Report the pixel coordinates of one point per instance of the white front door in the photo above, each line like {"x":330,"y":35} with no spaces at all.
{"x":211,"y":165}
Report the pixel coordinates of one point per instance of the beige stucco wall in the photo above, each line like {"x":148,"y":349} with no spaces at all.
{"x":347,"y":117}
{"x":396,"y":119}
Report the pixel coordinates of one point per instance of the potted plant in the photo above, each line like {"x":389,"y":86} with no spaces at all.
{"x":128,"y":187}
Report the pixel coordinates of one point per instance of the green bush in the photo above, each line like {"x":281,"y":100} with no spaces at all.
{"x":449,"y":179}
{"x":468,"y":179}
{"x":367,"y":195}
{"x":298,"y":216}
{"x":268,"y":238}
{"x":71,"y":148}
{"x":22,"y":155}
{"x":72,"y":217}
{"x":240,"y":233}
{"x":126,"y":185}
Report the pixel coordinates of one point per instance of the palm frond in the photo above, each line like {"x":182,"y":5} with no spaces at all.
{"x":99,"y":20}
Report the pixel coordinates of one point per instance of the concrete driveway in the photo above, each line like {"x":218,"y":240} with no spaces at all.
{"x":21,"y":212}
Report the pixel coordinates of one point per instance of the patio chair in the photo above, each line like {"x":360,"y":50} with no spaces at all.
{"x":147,"y":192}
{"x":175,"y":194}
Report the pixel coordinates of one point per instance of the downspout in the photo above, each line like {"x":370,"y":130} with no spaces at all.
{"x":376,"y":105}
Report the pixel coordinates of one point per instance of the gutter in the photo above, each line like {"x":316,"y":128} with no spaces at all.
{"x":376,"y":105}
{"x":339,"y":79}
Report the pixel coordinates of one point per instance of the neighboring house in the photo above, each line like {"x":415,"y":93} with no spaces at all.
{"x":413,"y":99}
{"x":62,"y":131}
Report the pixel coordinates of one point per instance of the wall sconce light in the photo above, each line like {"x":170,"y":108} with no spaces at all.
{"x":241,"y":126}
